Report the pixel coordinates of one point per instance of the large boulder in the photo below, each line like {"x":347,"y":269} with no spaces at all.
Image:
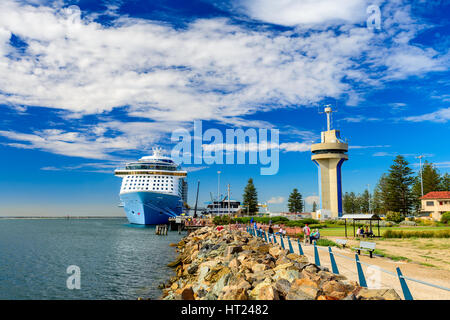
{"x":264,"y":291}
{"x":282,"y":286}
{"x":377,"y":294}
{"x":289,"y":275}
{"x":305,"y":288}
{"x":233,"y":293}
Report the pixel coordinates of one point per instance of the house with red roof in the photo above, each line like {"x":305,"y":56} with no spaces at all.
{"x":436,"y":203}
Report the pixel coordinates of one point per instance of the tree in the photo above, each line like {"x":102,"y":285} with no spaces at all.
{"x":380,"y":194}
{"x":295,"y":202}
{"x":445,"y":183}
{"x":347,"y":203}
{"x":431,"y":182}
{"x":364,"y":201}
{"x":350,"y":203}
{"x":314,"y":208}
{"x":399,"y":181}
{"x":250,"y":197}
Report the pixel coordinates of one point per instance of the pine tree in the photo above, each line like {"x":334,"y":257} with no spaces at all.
{"x":363,"y":200}
{"x":399,"y":181}
{"x":314,"y":207}
{"x":347,"y":203}
{"x":380,"y":196}
{"x":431,"y":182}
{"x":350,"y":203}
{"x":250,"y":197}
{"x":445,"y":183}
{"x":295,"y":202}
{"x":355,"y":207}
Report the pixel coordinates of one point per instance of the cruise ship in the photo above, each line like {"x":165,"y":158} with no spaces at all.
{"x":154,"y":188}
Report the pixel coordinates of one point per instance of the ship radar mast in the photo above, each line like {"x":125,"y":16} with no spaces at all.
{"x":157,"y":151}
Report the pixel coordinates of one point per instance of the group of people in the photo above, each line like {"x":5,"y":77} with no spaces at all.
{"x":271,"y":233}
{"x":310,"y":236}
{"x":364,"y":232}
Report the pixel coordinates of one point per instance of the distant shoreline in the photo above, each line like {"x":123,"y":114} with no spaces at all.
{"x":64,"y":217}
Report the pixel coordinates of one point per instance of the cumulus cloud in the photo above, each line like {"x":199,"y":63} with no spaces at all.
{"x":295,"y":12}
{"x":441,"y":115}
{"x":311,"y":199}
{"x":212,"y":69}
{"x":276,"y":200}
{"x":93,"y":142}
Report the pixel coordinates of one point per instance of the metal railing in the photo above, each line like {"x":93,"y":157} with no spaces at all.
{"x":362,"y":279}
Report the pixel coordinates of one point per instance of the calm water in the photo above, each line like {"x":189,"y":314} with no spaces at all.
{"x":117,"y":260}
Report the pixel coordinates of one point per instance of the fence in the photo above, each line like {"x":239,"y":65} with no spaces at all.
{"x":361,"y":277}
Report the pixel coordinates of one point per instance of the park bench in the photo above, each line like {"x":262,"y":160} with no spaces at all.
{"x":367,"y":246}
{"x":342,"y":242}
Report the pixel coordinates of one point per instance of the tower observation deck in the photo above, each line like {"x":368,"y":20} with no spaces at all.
{"x":329,"y":155}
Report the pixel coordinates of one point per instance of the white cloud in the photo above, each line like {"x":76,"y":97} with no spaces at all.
{"x":210,"y":70}
{"x":92,"y":142}
{"x":441,"y":115}
{"x":294,"y":12}
{"x":311,"y":199}
{"x":358,"y":119}
{"x":276,"y":200}
{"x":393,"y":154}
{"x":295,"y":146}
{"x":443,"y":164}
{"x":255,"y":147}
{"x":368,"y":147}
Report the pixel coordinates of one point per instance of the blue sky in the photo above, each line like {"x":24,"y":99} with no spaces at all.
{"x":88,"y":85}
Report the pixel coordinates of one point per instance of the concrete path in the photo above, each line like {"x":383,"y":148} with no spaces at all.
{"x":378,"y":279}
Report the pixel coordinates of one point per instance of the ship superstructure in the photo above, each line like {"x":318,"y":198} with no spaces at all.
{"x":153,"y":189}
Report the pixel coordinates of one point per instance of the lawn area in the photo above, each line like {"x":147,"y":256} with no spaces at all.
{"x":432,"y":252}
{"x":340,"y":231}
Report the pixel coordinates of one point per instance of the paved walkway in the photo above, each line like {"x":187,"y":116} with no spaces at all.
{"x":348,"y":268}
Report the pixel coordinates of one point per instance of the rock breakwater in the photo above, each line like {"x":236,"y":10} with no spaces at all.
{"x":233,"y":265}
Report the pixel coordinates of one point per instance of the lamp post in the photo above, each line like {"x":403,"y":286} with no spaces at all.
{"x":420,"y":168}
{"x":218,"y":191}
{"x":229,"y":210}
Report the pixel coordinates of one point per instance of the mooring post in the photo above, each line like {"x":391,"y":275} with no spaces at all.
{"x":300,"y":250}
{"x":265,"y":236}
{"x":316,"y":255}
{"x":362,"y":279}
{"x":291,"y":250}
{"x":333,"y":262}
{"x":282,"y":242}
{"x":406,"y":293}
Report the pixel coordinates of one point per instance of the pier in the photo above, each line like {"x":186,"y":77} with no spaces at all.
{"x":161,"y":229}
{"x":182,"y":223}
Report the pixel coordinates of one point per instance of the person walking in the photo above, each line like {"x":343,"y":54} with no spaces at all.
{"x":306,"y":232}
{"x":270,"y":232}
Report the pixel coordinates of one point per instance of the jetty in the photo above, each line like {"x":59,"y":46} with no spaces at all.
{"x":161,"y":229}
{"x":188,"y":223}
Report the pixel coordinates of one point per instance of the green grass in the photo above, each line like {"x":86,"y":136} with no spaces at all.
{"x":427,"y":264}
{"x":326,"y":243}
{"x":390,"y":256}
{"x":415,"y":233}
{"x":340,"y":231}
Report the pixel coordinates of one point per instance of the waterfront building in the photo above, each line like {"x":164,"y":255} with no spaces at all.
{"x":435,"y":203}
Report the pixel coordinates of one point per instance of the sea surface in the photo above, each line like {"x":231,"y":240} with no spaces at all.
{"x":116,"y":260}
